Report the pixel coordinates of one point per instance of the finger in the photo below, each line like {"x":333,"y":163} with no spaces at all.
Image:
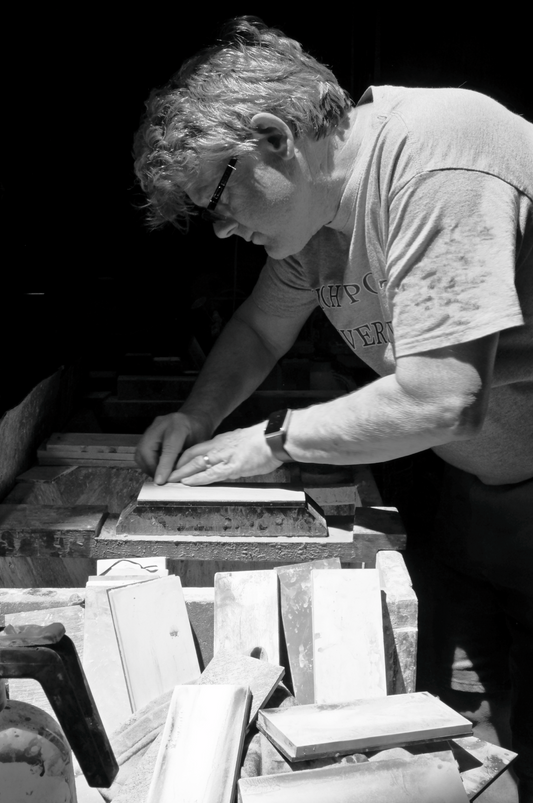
{"x":197,"y":465}
{"x":217,"y":473}
{"x":205,"y":478}
{"x":148,"y":450}
{"x":193,"y":452}
{"x":171,"y":448}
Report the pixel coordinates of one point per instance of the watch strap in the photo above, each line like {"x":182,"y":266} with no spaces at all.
{"x":276,"y":434}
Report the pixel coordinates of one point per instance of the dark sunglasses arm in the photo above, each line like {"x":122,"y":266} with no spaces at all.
{"x":223,"y":181}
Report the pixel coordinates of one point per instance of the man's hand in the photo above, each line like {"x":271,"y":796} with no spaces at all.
{"x":163,"y":442}
{"x":241,"y":453}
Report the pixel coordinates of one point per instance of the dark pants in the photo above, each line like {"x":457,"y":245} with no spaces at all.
{"x":484,"y":596}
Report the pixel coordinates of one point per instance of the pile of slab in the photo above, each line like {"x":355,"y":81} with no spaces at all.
{"x":310,"y":634}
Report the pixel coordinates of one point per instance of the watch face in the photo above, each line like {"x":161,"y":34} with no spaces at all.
{"x":275,"y":422}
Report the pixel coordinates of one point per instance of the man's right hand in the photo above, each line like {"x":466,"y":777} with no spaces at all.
{"x":159,"y":448}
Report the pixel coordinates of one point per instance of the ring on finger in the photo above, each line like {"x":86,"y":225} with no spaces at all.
{"x":208,"y":463}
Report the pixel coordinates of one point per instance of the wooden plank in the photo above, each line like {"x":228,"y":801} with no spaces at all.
{"x":246,"y":614}
{"x":45,"y":572}
{"x":23,"y":425}
{"x":16,"y":600}
{"x":296,"y":614}
{"x":154,"y":636}
{"x":247,"y":510}
{"x":334,"y":500}
{"x":49,"y":530}
{"x":348,"y":647}
{"x":52,"y":518}
{"x":118,"y":461}
{"x":109,"y":485}
{"x":82,"y":457}
{"x":417,"y":780}
{"x":376,"y":519}
{"x":91,"y":443}
{"x":201,"y":745}
{"x":44,"y":474}
{"x":231,"y":668}
{"x":317,"y":731}
{"x":38,"y":493}
{"x":101,"y":656}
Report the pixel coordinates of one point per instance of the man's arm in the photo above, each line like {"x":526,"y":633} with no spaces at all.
{"x":434,"y":397}
{"x":242,"y":357}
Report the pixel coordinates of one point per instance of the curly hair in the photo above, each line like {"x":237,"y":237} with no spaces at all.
{"x":203,"y":114}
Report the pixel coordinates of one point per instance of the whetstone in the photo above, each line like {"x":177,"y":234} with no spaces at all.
{"x":417,"y":780}
{"x":232,"y":668}
{"x":246,"y":617}
{"x":250,"y":509}
{"x":296,"y":613}
{"x":348,"y":646}
{"x":101,"y":657}
{"x":201,"y":745}
{"x":154,"y":637}
{"x":318,"y":731}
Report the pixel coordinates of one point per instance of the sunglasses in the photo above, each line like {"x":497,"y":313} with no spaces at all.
{"x":209,"y":213}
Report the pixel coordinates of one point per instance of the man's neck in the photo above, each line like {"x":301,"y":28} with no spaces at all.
{"x":326,"y":165}
{"x":345,"y":146}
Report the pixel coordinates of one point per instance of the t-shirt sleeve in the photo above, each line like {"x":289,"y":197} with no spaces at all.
{"x":281,"y":289}
{"x":450,"y":241}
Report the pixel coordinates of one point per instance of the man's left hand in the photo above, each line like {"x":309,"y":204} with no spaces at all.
{"x":241,"y":453}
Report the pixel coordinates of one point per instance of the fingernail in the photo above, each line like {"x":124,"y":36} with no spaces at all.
{"x":159,"y":479}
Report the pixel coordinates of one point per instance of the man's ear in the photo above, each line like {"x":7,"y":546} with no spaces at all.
{"x":273,"y":135}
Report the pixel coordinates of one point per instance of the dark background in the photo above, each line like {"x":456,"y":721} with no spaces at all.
{"x":82,"y":279}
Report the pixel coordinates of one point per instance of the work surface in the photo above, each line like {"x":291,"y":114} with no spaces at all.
{"x":72,"y":512}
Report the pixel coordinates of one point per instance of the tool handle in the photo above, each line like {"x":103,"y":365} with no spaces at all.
{"x":58,"y":669}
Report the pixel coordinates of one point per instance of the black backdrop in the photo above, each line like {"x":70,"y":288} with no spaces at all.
{"x":82,"y":279}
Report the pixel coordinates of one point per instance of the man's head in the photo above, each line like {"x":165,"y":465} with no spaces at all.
{"x":209,"y":112}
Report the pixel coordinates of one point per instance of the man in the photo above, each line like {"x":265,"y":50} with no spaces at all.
{"x":408,"y":219}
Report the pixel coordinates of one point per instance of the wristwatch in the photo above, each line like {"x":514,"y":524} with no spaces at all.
{"x":276,"y":433}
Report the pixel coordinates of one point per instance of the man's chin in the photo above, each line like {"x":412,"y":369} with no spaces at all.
{"x":277,"y":251}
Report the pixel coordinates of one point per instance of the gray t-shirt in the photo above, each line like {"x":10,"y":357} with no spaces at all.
{"x":432,"y":246}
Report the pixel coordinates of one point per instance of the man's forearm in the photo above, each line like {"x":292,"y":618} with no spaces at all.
{"x":376,"y":423}
{"x":236,"y":365}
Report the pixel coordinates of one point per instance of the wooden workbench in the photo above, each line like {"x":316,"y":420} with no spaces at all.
{"x":70,"y":513}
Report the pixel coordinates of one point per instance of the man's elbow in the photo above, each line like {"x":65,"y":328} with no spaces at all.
{"x":462,"y":421}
